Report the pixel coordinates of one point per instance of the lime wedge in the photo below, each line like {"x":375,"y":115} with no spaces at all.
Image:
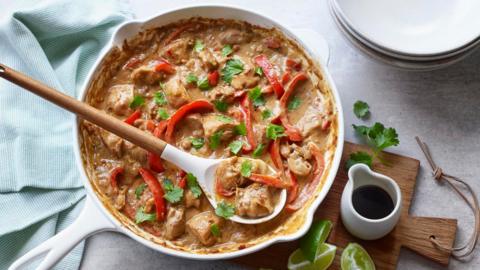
{"x":355,"y":257}
{"x":325,"y":256}
{"x":315,"y":237}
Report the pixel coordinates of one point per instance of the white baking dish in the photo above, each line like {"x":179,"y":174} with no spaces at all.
{"x":96,"y":218}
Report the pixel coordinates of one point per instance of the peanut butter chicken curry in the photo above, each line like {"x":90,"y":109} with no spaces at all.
{"x":219,"y":89}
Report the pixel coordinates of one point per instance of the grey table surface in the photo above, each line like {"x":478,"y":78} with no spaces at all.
{"x":440,"y":106}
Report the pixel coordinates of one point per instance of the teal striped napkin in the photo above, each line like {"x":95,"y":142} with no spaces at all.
{"x":55,"y":42}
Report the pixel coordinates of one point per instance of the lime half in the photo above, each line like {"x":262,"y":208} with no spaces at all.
{"x":355,"y":257}
{"x":324,"y":258}
{"x":315,"y":237}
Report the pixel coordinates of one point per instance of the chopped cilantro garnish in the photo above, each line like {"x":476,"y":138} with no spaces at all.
{"x":378,"y":136}
{"x":266,"y":114}
{"x":225,"y":210}
{"x":141,"y":216}
{"x":259,"y":71}
{"x":241,"y":129}
{"x":224,"y":118}
{"x":139,"y":190}
{"x":226,"y":50}
{"x":197,"y":143}
{"x":294,"y":103}
{"x":232,"y":67}
{"x":191,"y":78}
{"x":163,"y":114}
{"x":193,"y":185}
{"x":173,"y":194}
{"x":160,"y":98}
{"x":198,"y":47}
{"x":275,"y":131}
{"x":361,"y":109}
{"x":246,"y":168}
{"x":258,"y":150}
{"x":235,"y":146}
{"x":215,"y":230}
{"x":220,"y":105}
{"x":203,"y":84}
{"x":256,"y":96}
{"x":137,"y":102}
{"x":214,"y":141}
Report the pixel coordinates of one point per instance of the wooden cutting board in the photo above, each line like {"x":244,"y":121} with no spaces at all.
{"x":411,"y":232}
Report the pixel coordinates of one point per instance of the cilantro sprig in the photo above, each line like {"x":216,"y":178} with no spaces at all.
{"x":232,"y":67}
{"x":193,"y":185}
{"x":141,"y":216}
{"x":173,"y":194}
{"x":225,"y":210}
{"x":361,"y":109}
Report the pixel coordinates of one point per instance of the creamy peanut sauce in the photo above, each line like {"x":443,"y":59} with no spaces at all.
{"x":156,"y":66}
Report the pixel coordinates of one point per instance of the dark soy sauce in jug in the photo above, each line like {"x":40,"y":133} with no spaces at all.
{"x":372,"y":202}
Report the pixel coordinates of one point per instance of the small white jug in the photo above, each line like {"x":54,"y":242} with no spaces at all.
{"x":364,"y":228}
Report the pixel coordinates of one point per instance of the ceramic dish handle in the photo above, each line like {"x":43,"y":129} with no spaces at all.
{"x":316,"y":42}
{"x":90,"y":221}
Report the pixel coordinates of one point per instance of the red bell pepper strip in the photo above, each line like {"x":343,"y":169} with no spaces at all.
{"x":160,"y":129}
{"x":150,"y":125}
{"x":157,"y":192}
{"x":164,"y":66}
{"x":213,"y":78}
{"x":134,"y":116}
{"x":182,"y":183}
{"x":222,"y":191}
{"x":155,"y":162}
{"x":275,"y":155}
{"x":310,"y":188}
{"x":293,"y":190}
{"x":199,"y":104}
{"x":132,"y":63}
{"x":290,"y":63}
{"x":177,"y":32}
{"x":293,"y":132}
{"x":272,"y":78}
{"x":114,"y":175}
{"x":246,"y":106}
{"x":269,"y":180}
{"x":286,"y":77}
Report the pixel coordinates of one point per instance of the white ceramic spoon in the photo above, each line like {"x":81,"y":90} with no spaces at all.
{"x":202,"y":168}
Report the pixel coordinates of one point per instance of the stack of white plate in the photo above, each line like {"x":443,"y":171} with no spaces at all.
{"x":411,"y":34}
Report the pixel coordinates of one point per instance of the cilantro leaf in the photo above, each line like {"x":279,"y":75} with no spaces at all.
{"x":258,"y":150}
{"x":378,"y":136}
{"x":198,"y":47}
{"x":191,"y":78}
{"x":256,"y":96}
{"x":160,"y":98}
{"x":361,"y":109}
{"x":275,"y":131}
{"x":359,"y":157}
{"x":197,"y":143}
{"x":215,"y":230}
{"x":259,"y":71}
{"x":136,"y":102}
{"x":246,"y":168}
{"x":193,"y":185}
{"x":220,"y":105}
{"x":235,"y":146}
{"x":203,"y":84}
{"x":141,"y":216}
{"x":266,"y":114}
{"x":232,"y":67}
{"x":241,"y":129}
{"x":224,"y":118}
{"x":139,"y":190}
{"x":163,"y":114}
{"x":173,"y":194}
{"x":226,"y":50}
{"x":215,"y":139}
{"x":225,"y":210}
{"x":294,"y":103}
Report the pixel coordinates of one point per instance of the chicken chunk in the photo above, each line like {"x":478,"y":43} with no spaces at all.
{"x":176,"y":93}
{"x":228,"y":175}
{"x":254,"y":201}
{"x":234,"y":36}
{"x":119,"y":202}
{"x":190,"y":200}
{"x":208,"y":59}
{"x":146,"y":75}
{"x":243,"y":81}
{"x":119,"y":98}
{"x":113,"y":143}
{"x":178,"y":52}
{"x":297,"y":159}
{"x":224,"y":93}
{"x":215,"y":122}
{"x":200,"y":224}
{"x":175,"y":224}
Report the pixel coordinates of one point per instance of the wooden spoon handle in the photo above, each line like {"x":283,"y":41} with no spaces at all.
{"x":85,"y":111}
